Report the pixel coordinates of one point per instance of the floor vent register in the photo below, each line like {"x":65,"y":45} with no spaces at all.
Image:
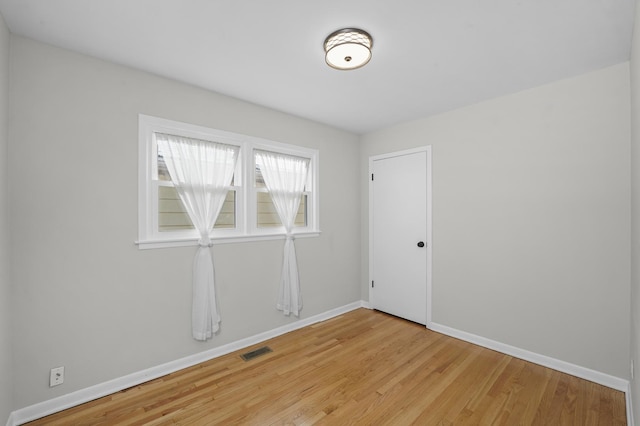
{"x":256,"y":353}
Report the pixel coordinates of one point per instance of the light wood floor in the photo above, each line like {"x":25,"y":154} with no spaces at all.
{"x":364,"y":367}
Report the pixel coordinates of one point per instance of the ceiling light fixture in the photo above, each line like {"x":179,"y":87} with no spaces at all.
{"x":348,"y":48}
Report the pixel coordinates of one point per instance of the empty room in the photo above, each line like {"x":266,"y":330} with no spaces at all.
{"x":288,"y":212}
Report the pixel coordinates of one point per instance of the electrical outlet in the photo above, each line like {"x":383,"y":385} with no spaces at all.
{"x":56,"y":377}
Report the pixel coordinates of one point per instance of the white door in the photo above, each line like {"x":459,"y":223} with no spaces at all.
{"x":399,"y":240}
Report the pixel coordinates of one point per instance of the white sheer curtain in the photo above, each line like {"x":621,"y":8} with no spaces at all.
{"x":201,"y":172}
{"x":285,"y":177}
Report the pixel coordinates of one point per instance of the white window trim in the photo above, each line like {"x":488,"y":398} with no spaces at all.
{"x":246,"y":227}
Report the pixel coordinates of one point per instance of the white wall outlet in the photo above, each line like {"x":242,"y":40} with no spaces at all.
{"x":56,"y":377}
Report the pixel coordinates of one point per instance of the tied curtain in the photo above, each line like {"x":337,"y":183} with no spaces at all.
{"x":201,"y":172}
{"x":285,"y":177}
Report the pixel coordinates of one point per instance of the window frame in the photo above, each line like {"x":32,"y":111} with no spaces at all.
{"x":310,"y":189}
{"x":244,"y":184}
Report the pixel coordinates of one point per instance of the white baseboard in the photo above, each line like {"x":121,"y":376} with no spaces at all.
{"x":11,"y":420}
{"x":562,"y":366}
{"x":81,"y":396}
{"x":629,"y":401}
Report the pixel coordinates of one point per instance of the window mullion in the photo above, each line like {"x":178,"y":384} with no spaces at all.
{"x":249,"y":189}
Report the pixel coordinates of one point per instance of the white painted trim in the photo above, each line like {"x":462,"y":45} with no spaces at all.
{"x":629,"y":402}
{"x":429,"y":236}
{"x":400,"y":153}
{"x":556,"y":364}
{"x":427,"y":150}
{"x":81,"y":396}
{"x":185,"y":242}
{"x":11,"y":421}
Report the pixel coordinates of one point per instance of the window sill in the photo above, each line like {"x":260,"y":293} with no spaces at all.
{"x":186,"y":242}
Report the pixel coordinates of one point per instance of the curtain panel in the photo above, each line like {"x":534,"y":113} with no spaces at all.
{"x":285,"y":177}
{"x":201,"y":172}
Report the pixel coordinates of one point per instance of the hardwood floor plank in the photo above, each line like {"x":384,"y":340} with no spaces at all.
{"x":481,"y":401}
{"x":360,"y":368}
{"x":541,"y":416}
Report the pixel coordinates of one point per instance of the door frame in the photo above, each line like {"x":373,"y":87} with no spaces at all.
{"x":429,"y":241}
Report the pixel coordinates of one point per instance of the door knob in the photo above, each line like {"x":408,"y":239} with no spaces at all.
{"x":421,"y":244}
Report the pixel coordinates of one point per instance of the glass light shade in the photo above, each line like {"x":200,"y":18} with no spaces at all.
{"x":348,"y":49}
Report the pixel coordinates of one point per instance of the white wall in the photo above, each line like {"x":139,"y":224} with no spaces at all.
{"x":86,"y":297}
{"x":6,"y":382}
{"x":635,"y":213}
{"x":530,"y":217}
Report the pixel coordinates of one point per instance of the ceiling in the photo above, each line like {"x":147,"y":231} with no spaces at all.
{"x":429,"y":56}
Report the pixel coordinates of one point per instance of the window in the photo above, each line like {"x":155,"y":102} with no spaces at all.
{"x":248,"y":212}
{"x":266,"y":214}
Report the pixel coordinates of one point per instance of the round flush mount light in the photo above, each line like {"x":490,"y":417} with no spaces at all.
{"x":348,"y":48}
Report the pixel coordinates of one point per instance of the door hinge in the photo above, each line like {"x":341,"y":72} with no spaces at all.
{"x":372,"y":284}
{"x":371,"y":176}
